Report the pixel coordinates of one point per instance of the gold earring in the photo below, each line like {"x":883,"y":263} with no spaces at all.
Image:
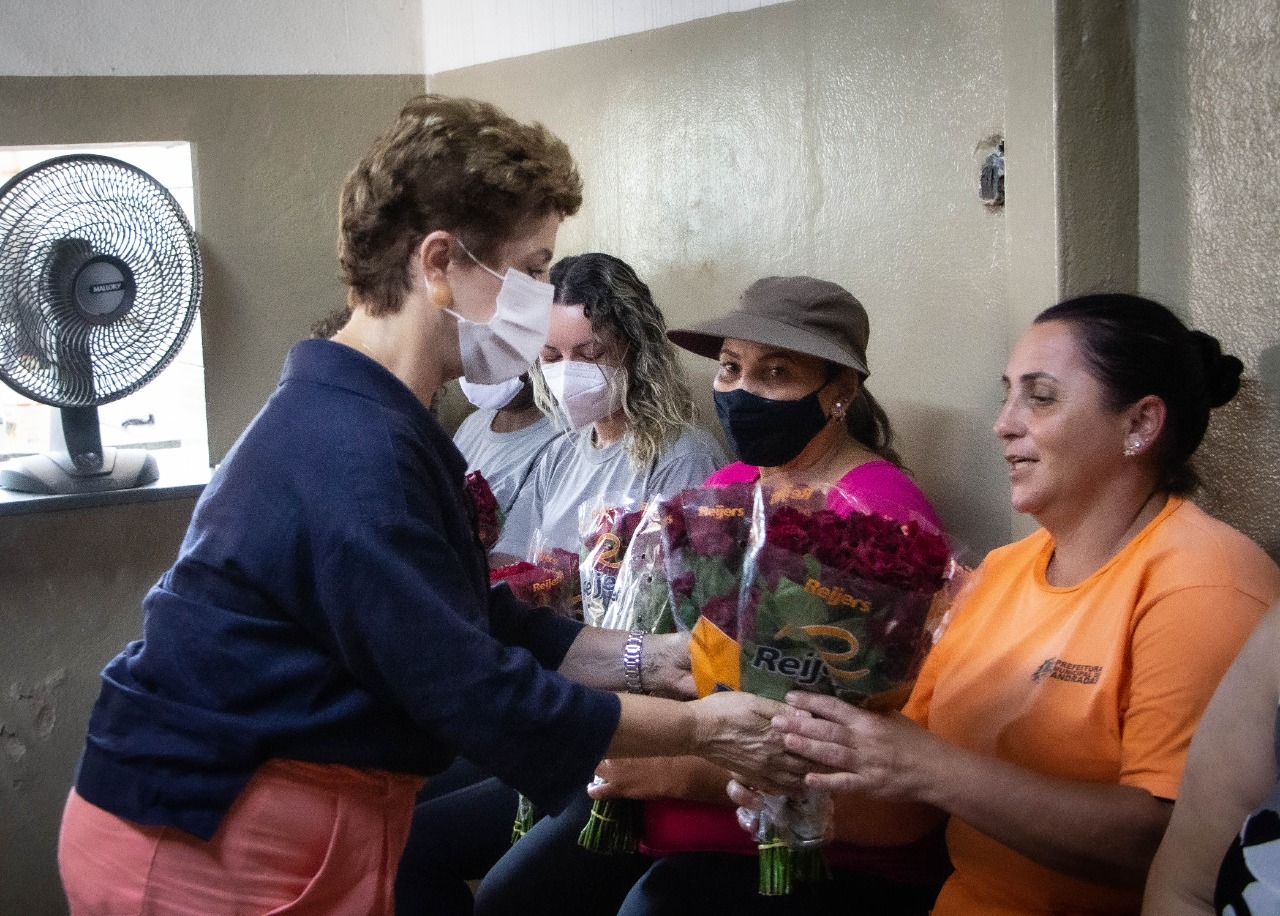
{"x":440,"y":295}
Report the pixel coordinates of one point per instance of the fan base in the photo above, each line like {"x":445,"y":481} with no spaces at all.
{"x":54,"y":474}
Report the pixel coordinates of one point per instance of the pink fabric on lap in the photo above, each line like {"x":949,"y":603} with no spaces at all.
{"x":301,"y":839}
{"x":674,"y":825}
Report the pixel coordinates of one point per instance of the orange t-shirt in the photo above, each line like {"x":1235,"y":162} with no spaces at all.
{"x":1103,"y":681}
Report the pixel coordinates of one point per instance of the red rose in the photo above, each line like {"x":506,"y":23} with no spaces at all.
{"x":502,"y":573}
{"x":787,"y":529}
{"x":682,"y":585}
{"x":626,"y":526}
{"x":775,"y":562}
{"x":535,"y":584}
{"x":674,"y":535}
{"x":722,"y":610}
{"x":488,"y":516}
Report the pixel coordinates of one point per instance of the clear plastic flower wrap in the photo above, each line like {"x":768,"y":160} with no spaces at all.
{"x":605,"y":527}
{"x":799,"y":588}
{"x":640,"y":602}
{"x":548,"y":578}
{"x":838,"y":600}
{"x":704,"y":534}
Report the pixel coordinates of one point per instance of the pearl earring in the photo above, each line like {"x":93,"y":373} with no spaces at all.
{"x":440,"y":295}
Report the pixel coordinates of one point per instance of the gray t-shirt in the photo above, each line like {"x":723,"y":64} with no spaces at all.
{"x":507,"y":460}
{"x":573,"y":472}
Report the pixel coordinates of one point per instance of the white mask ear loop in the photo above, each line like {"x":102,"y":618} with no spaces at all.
{"x":480,"y":264}
{"x":475,"y":259}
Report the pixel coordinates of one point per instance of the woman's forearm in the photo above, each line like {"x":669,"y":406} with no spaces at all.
{"x":1101,"y":832}
{"x":596,"y":659}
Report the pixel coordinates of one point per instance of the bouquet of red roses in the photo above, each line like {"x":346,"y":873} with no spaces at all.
{"x":705,"y":531}
{"x":797,"y":588}
{"x":549,"y":581}
{"x":833,"y":600}
{"x":641,"y":602}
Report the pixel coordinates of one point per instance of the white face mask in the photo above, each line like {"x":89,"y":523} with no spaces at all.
{"x":505,"y":346}
{"x":586,"y":392}
{"x":491,"y":397}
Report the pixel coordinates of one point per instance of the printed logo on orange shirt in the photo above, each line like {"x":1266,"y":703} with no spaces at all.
{"x":1066,"y":671}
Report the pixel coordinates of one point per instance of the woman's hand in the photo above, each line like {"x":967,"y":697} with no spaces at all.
{"x":730,"y":729}
{"x":1103,"y":832}
{"x":632,"y":777}
{"x":737,"y":731}
{"x":660,"y":777}
{"x":883,"y":756}
{"x":666,"y":670}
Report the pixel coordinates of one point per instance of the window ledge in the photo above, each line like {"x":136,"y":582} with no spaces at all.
{"x":177,"y":481}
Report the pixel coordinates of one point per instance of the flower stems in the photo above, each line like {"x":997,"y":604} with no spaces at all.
{"x":526,"y":816}
{"x":612,"y":826}
{"x":781,"y":866}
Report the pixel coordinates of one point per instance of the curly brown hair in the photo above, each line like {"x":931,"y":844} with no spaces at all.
{"x":452,"y":164}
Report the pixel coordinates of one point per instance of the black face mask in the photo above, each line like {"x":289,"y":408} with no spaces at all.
{"x":765,"y":432}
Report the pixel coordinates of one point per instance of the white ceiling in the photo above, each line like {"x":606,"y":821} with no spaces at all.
{"x":242,"y":37}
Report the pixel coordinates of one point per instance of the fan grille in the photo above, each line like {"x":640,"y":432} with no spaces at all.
{"x":99,"y":280}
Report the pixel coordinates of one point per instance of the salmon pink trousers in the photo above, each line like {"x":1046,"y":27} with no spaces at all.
{"x":302,"y":839}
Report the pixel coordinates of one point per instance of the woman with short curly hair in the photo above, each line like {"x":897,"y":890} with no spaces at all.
{"x":327,"y":636}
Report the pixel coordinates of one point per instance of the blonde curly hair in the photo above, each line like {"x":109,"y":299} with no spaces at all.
{"x":655,"y":396}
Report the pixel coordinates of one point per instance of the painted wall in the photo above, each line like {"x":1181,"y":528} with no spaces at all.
{"x":463,"y":34}
{"x":1209,"y":90}
{"x":256,"y":37}
{"x":829,"y":138}
{"x":72,"y":584}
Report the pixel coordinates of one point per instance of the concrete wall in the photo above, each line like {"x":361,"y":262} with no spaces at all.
{"x":243,"y":37}
{"x":72,"y":587}
{"x":1209,"y":91}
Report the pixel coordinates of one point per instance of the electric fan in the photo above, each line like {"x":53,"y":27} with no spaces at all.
{"x":99,"y":283}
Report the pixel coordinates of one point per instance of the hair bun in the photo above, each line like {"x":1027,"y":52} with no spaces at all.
{"x":1221,"y":370}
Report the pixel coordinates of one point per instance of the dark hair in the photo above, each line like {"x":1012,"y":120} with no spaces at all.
{"x":655,"y":395}
{"x":450,"y":164}
{"x":1137,"y":347}
{"x":332,"y":323}
{"x":866,"y":420}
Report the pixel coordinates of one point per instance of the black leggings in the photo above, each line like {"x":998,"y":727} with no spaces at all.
{"x":547,"y":872}
{"x":455,"y":838}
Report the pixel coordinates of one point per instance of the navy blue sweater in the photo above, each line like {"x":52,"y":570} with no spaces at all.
{"x":330,"y":603}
